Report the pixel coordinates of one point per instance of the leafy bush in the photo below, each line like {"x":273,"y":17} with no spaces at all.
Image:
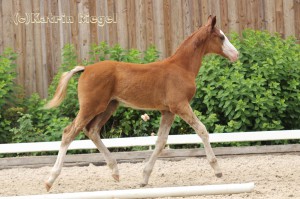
{"x":36,"y":124}
{"x":258,"y":92}
{"x":29,"y":132}
{"x":8,"y":90}
{"x":7,"y":77}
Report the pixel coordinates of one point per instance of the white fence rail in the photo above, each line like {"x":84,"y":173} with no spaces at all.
{"x":150,"y":140}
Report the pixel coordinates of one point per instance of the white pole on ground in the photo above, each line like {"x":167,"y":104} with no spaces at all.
{"x":149,"y":192}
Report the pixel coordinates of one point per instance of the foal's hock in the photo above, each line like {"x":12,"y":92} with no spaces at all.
{"x":167,"y":86}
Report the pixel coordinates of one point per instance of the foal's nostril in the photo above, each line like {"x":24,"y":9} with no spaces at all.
{"x":235,"y":55}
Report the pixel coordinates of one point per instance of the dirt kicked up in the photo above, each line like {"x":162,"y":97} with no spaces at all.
{"x":276,"y":176}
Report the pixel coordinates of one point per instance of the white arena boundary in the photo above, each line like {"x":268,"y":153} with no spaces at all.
{"x":150,"y":141}
{"x":149,"y":192}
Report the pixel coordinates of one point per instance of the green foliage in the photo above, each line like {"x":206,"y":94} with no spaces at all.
{"x":26,"y":132}
{"x":69,"y":58}
{"x":258,"y":92}
{"x":8,"y":90}
{"x":127,"y":122}
{"x":36,"y":124}
{"x":151,"y":55}
{"x":7,"y":76}
{"x":5,"y":126}
{"x":99,"y":52}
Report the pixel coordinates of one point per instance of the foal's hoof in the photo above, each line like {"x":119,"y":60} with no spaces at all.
{"x":48,"y":186}
{"x":219,"y":175}
{"x":116,"y":177}
{"x":143,"y":184}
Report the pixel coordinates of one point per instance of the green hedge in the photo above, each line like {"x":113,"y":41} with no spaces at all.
{"x":8,"y":93}
{"x":258,"y":92}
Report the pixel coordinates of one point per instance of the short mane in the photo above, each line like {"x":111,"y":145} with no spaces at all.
{"x":197,"y":42}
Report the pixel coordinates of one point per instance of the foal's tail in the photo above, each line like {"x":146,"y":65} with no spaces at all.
{"x":61,"y":89}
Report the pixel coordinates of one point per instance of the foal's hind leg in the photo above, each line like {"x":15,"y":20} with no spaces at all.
{"x":186,"y":113}
{"x":70,"y":132}
{"x":163,"y":132}
{"x":93,"y":132}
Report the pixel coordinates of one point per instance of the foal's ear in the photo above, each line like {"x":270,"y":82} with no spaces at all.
{"x":211,"y":22}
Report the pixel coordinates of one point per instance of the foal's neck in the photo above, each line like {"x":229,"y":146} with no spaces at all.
{"x":190,"y":53}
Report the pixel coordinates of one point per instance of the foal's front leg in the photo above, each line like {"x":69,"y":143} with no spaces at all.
{"x":186,"y":113}
{"x":163,"y":132}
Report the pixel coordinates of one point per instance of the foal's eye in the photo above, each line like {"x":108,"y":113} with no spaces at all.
{"x":222,"y":37}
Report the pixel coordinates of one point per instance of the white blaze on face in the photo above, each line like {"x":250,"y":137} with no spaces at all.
{"x":228,"y":49}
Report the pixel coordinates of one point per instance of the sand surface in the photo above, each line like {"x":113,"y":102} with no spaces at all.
{"x":276,"y":176}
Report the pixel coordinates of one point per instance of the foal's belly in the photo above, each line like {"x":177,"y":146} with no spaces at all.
{"x":142,"y":104}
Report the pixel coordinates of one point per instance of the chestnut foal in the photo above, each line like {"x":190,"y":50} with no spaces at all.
{"x":167,"y":86}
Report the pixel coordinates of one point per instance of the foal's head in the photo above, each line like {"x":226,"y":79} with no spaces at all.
{"x":217,"y":42}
